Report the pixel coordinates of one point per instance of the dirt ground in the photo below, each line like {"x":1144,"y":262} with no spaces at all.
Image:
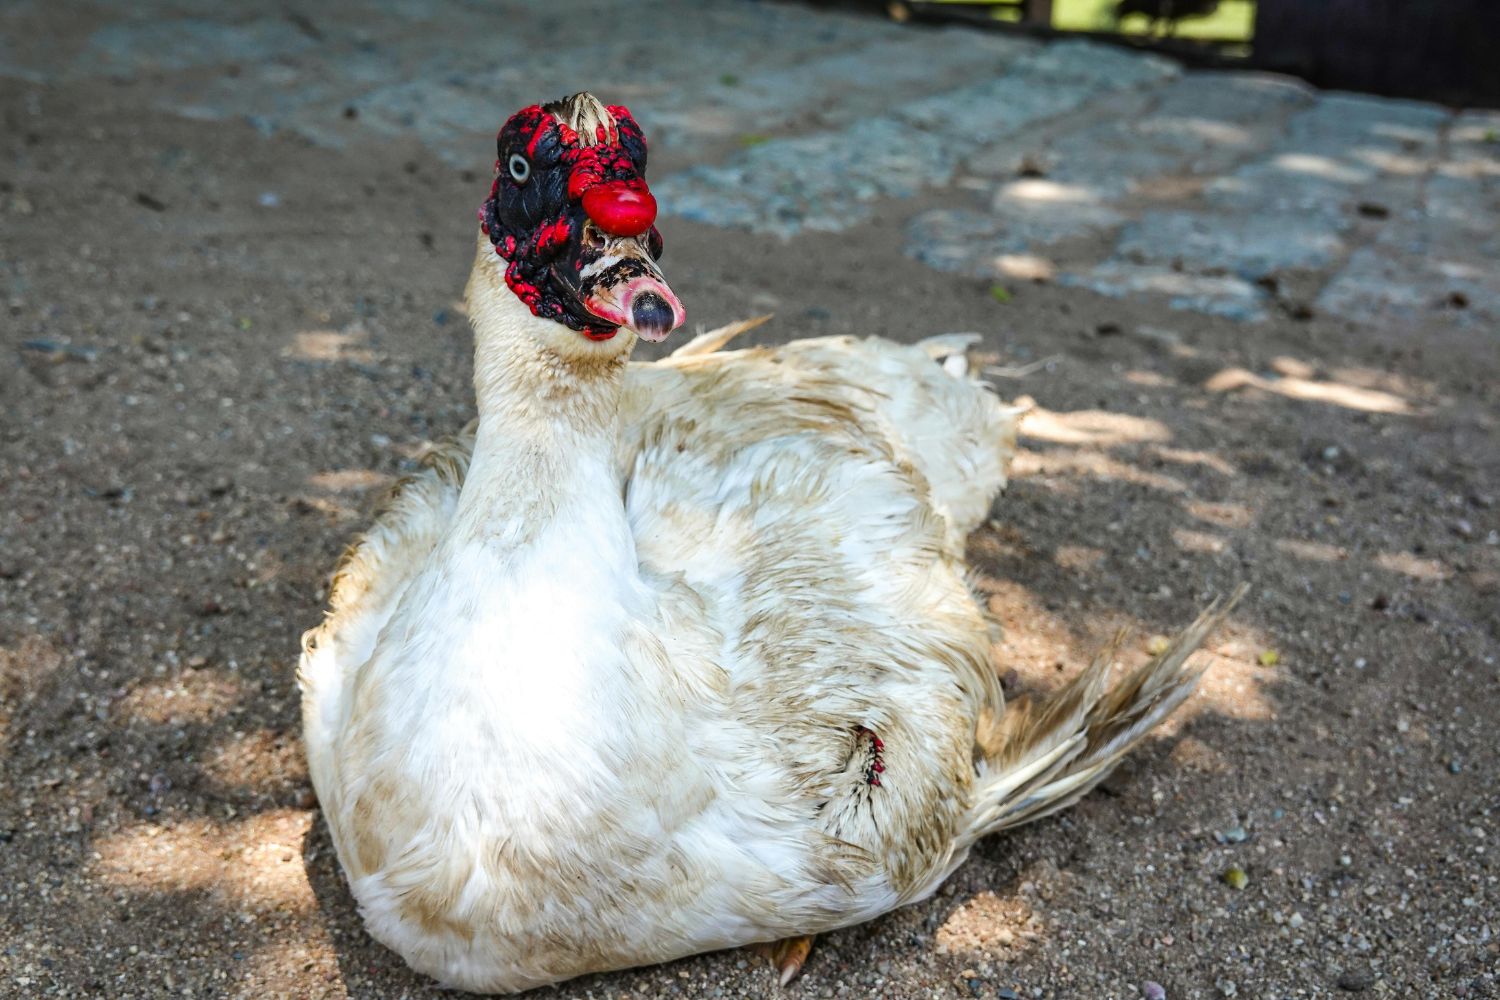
{"x":202,"y":395}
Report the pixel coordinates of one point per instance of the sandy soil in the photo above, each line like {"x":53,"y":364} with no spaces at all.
{"x":201,"y":397}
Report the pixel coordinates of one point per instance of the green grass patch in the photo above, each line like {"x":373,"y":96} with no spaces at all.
{"x":1234,"y":21}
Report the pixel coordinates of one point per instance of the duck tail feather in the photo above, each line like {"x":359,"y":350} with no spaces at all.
{"x":1041,"y":756}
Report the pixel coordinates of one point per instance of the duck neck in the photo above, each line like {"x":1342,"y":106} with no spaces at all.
{"x":549,"y":413}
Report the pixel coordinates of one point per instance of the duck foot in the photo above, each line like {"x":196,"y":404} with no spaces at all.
{"x":787,"y":955}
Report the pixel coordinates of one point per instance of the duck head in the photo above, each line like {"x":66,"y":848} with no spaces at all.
{"x":572,"y":218}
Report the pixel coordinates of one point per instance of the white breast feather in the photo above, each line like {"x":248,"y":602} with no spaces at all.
{"x":669,"y":761}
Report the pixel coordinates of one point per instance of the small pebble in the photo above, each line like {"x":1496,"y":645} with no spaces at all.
{"x":1296,"y":920}
{"x":1153,"y":990}
{"x":1235,"y":877}
{"x":1235,"y":835}
{"x":268,"y":199}
{"x":1455,"y":766}
{"x":1356,"y":980}
{"x":1006,"y":993}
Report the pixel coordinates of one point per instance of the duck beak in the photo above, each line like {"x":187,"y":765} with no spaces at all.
{"x":623,"y":286}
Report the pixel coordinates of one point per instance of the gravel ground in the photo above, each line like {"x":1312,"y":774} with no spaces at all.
{"x":219,"y":346}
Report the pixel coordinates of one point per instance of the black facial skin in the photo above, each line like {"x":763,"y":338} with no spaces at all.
{"x":536,"y":220}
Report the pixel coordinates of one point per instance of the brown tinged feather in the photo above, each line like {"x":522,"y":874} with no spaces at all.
{"x":713,"y":340}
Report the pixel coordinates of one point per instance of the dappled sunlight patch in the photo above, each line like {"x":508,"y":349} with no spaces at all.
{"x":1323,"y":167}
{"x":331,"y":345}
{"x":1053,"y":210}
{"x":1089,"y":464}
{"x":311,"y":952}
{"x":1149,"y":379}
{"x":1197,"y":541}
{"x":1476,"y":131}
{"x":1025,"y":267}
{"x":1459,"y":270}
{"x":989,"y":926}
{"x":1060,"y":487}
{"x":1238,"y":674}
{"x":1412,"y":565}
{"x":1335,"y":393}
{"x":1049,"y":192}
{"x":1215,"y":291}
{"x":1294,"y":367}
{"x":1390,"y":162}
{"x":1315,"y":551}
{"x":1348,"y":396}
{"x":268,"y":868}
{"x":349,"y":480}
{"x":1035,"y":642}
{"x":1401,"y":133}
{"x":184,"y":856}
{"x":193,"y":696}
{"x":1230,"y":379}
{"x":253,"y":864}
{"x":1092,"y":427}
{"x":1471,"y":170}
{"x":1233,"y":685}
{"x":1225,"y":515}
{"x":1078,"y":558}
{"x":1186,"y":456}
{"x":1210,"y":130}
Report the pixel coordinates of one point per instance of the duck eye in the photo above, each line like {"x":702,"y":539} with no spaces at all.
{"x":520,"y":169}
